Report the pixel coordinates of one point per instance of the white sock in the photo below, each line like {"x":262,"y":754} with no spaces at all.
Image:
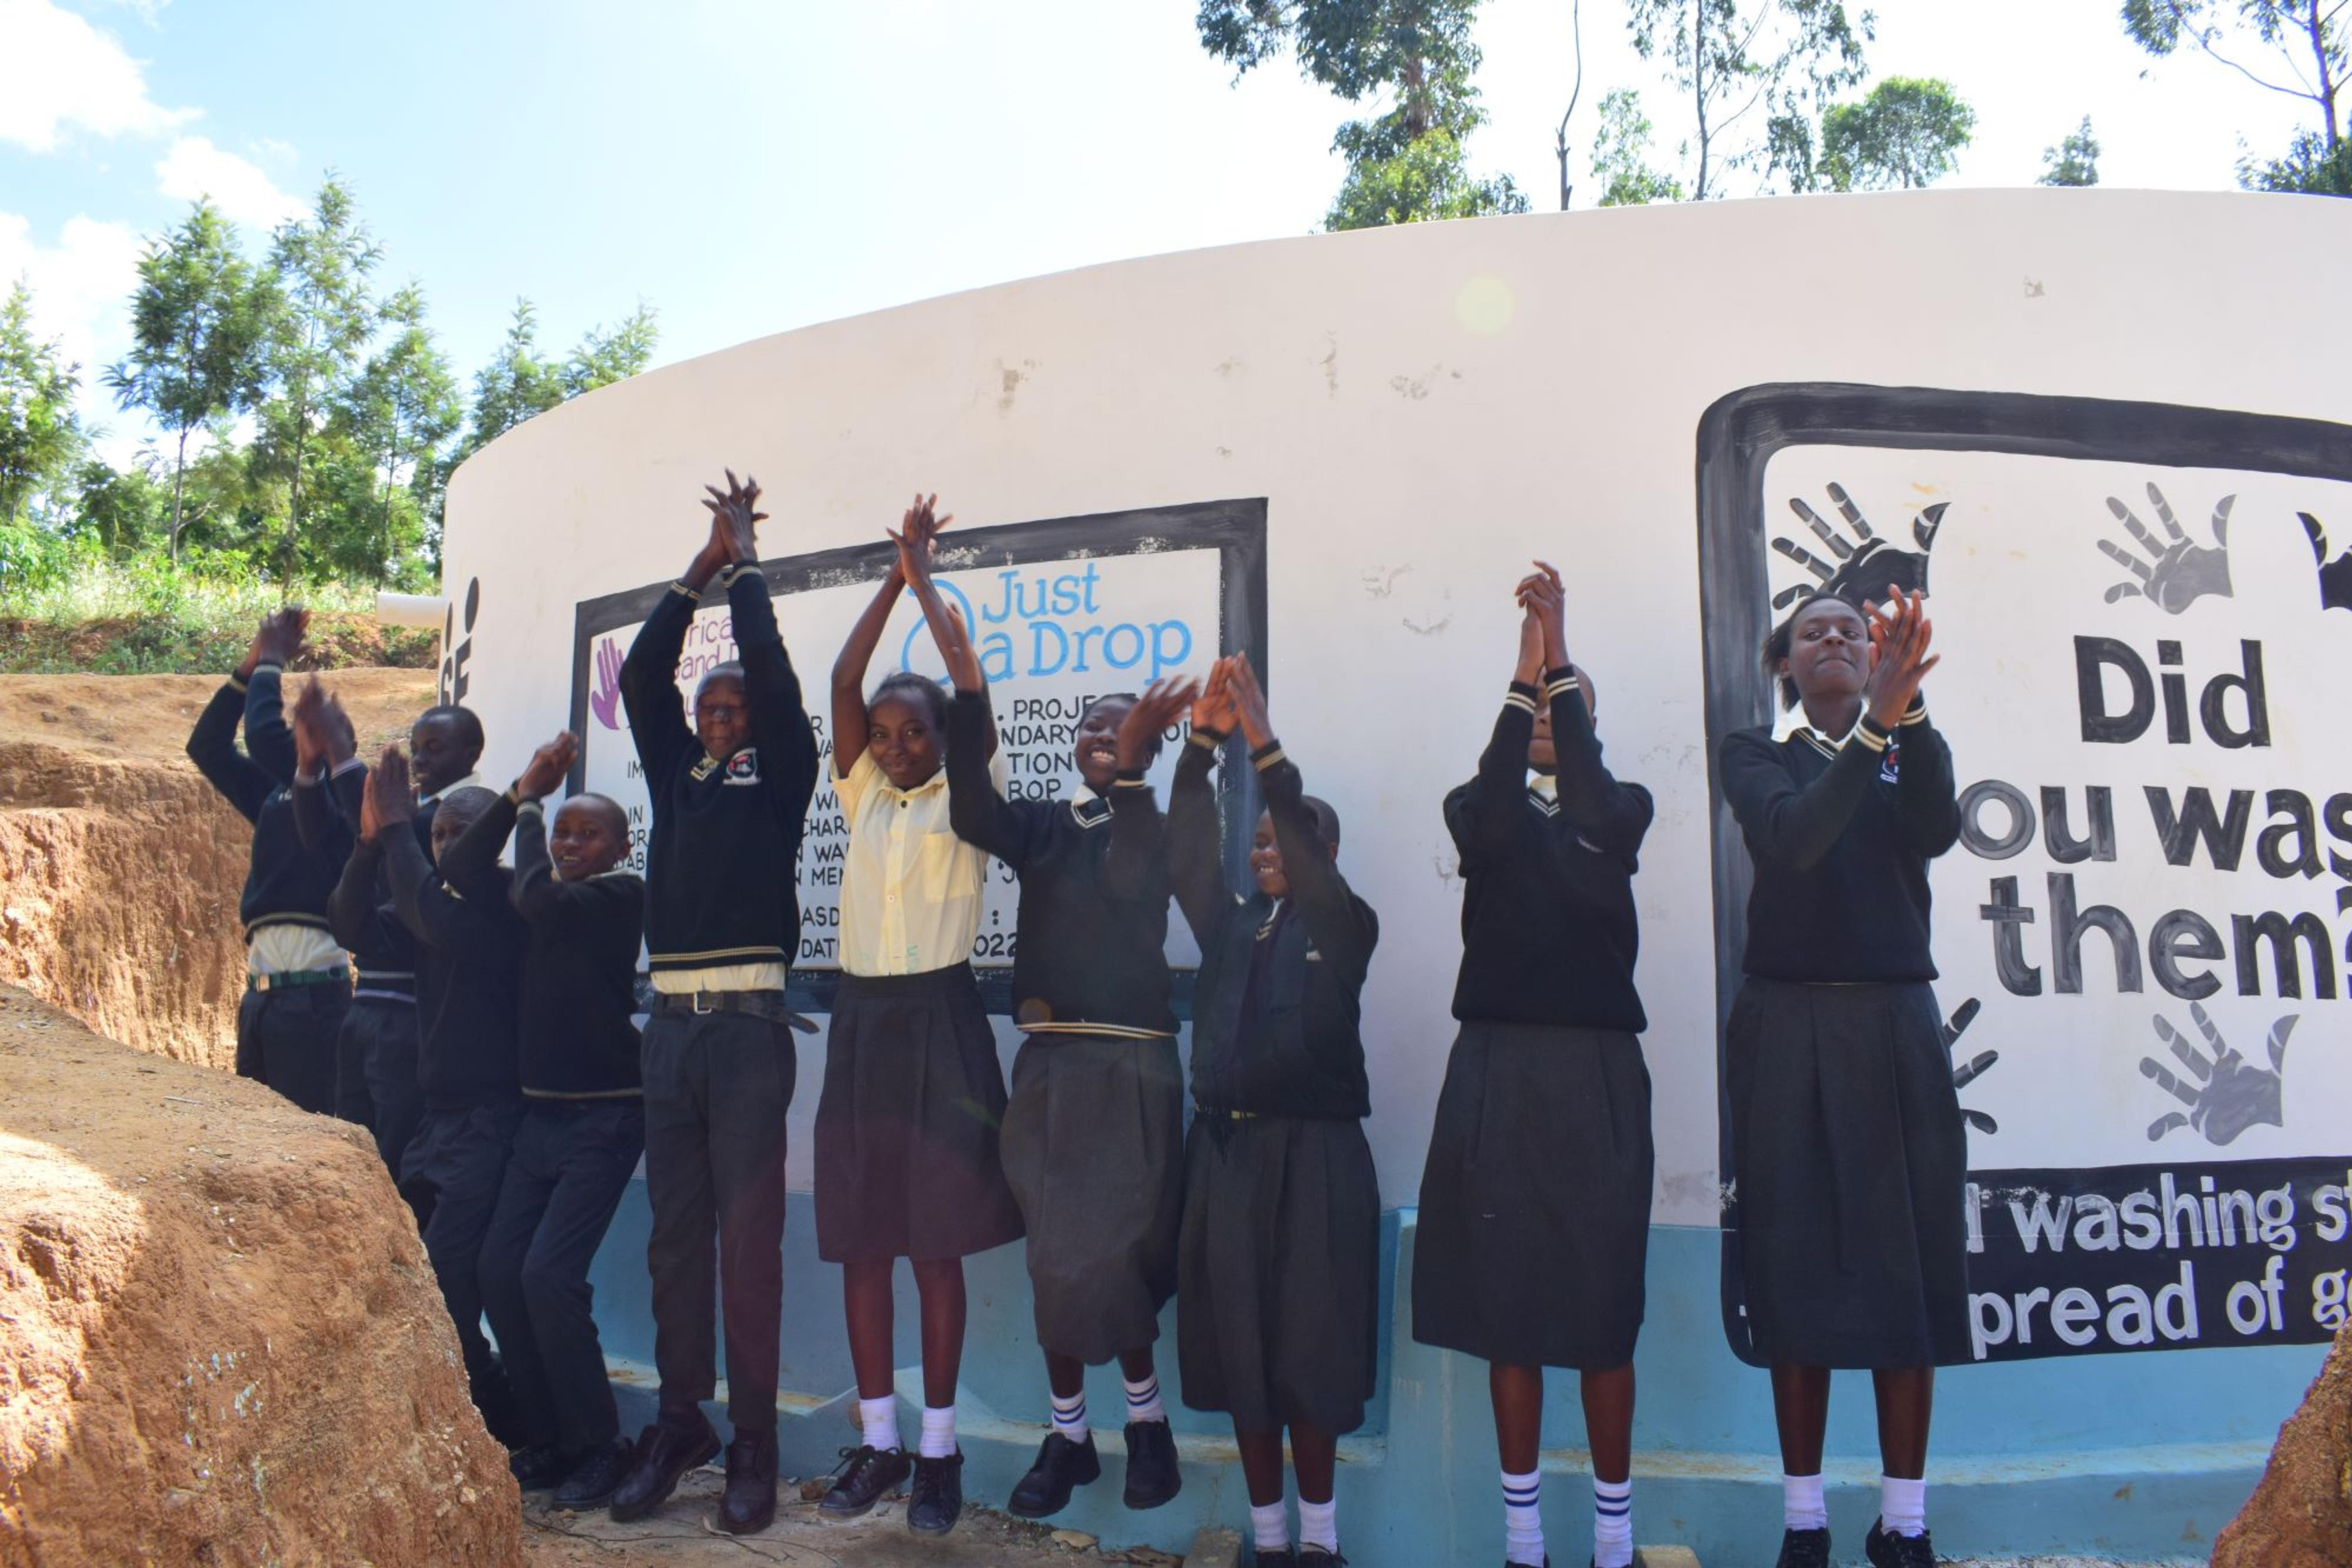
{"x":1070,"y":1416}
{"x":1523,"y":1539}
{"x":879,"y":1417}
{"x":1612,"y":1523}
{"x":1319,"y":1525}
{"x":939,"y":1433}
{"x":1800,"y":1503}
{"x":1902,"y":1505}
{"x":1143,"y":1399}
{"x":1270,"y":1527}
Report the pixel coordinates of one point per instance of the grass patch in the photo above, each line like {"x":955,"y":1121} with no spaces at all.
{"x":146,"y":619}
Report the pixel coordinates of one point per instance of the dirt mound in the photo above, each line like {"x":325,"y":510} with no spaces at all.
{"x":224,"y":1340}
{"x":119,"y":868}
{"x":2301,"y":1516}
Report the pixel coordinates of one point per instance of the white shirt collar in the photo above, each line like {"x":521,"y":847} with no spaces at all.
{"x":467,"y":781}
{"x":1546,"y":785}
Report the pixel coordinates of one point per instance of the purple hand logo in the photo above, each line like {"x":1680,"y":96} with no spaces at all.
{"x":604,"y":697}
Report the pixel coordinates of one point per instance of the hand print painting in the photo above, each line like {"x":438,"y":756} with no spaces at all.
{"x":2144,"y":628}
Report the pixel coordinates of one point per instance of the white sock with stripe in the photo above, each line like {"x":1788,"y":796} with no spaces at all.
{"x":1070,"y":1416}
{"x":939,"y":1433}
{"x":1902,"y":1505}
{"x":1612,"y":1523}
{"x":1800,"y":1503}
{"x":1270,"y":1527}
{"x":879,"y":1418}
{"x":1319,"y":1525}
{"x":1143,"y":1399}
{"x":1523,"y":1541}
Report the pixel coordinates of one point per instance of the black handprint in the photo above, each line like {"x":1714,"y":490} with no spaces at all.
{"x":2234,"y":1093}
{"x":2177,"y":573}
{"x":1968,"y":1072}
{"x":2335,"y":577}
{"x":1866,"y":568}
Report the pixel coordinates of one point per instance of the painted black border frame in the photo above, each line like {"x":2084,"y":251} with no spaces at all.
{"x":1737,"y":437}
{"x":1235,"y":529}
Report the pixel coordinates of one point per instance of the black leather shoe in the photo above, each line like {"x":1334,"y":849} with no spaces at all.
{"x":1886,"y":1550}
{"x":749,"y":1504}
{"x":663,"y":1454}
{"x":1515,"y":1562}
{"x":1153,"y":1477}
{"x":539,"y":1466}
{"x":1803,"y":1549}
{"x":1316,"y":1557}
{"x":936,"y":1500}
{"x":865,"y":1473}
{"x":596,"y":1476}
{"x":1062,"y":1467}
{"x":1284,"y":1558}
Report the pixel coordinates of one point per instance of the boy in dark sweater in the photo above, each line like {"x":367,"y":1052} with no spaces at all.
{"x":722,"y":921}
{"x":470,"y":945}
{"x":298,"y":981}
{"x":1279,"y":1270}
{"x":583,"y":1122}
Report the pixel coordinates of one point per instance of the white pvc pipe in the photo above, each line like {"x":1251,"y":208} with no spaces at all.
{"x":428,"y":611}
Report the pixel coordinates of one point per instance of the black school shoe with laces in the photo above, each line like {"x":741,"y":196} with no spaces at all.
{"x":865,"y":1473}
{"x":1804,"y":1549}
{"x":935,"y":1501}
{"x":748,"y":1506}
{"x":1886,"y":1550}
{"x":1283,"y":1558}
{"x":1316,"y":1557}
{"x":1152,"y":1476}
{"x":1061,"y":1468}
{"x":596,"y":1476}
{"x":665,"y":1451}
{"x":538,"y":1467}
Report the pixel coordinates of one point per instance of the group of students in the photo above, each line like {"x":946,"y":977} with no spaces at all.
{"x":489,"y":1042}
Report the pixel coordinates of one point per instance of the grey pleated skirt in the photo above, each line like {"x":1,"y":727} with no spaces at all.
{"x":1535,"y":1203}
{"x":1850,"y":1161}
{"x":1277,"y":1297}
{"x":907,"y":1122}
{"x":1094,"y":1151}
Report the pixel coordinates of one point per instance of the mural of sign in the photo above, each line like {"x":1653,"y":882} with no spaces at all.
{"x":1062,"y":611}
{"x":2145,"y":935}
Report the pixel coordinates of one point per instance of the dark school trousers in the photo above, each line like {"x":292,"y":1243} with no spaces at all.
{"x":718,"y":1086}
{"x":286,"y":1039}
{"x":454,"y":1165}
{"x":381,"y":1034}
{"x":571,"y":1163}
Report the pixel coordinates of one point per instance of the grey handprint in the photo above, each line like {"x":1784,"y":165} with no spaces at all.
{"x":2231,"y":1094}
{"x":1968,"y":1072}
{"x":1868,"y":565}
{"x":2177,"y":572}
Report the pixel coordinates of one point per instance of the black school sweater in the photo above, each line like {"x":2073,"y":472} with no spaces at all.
{"x":721,"y":882}
{"x":579,"y":962}
{"x":1276,"y":1014}
{"x":1548,"y":931}
{"x":1841,"y":837}
{"x":1090,"y":944}
{"x":469,"y":946}
{"x":286,"y":882}
{"x":359,"y":911}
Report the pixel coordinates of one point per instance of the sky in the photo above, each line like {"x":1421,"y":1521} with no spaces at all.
{"x":749,"y":167}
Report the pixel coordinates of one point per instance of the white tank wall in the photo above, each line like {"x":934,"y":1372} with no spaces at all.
{"x":1423,"y":409}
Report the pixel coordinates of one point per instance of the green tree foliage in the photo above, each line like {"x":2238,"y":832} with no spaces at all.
{"x":1732,"y":59}
{"x":1621,"y":155}
{"x":2296,"y":47}
{"x":2075,"y":161}
{"x":398,"y":411}
{"x":320,"y":324}
{"x":604,"y":358}
{"x":198,"y":319}
{"x":40,"y":437}
{"x":123,"y":512}
{"x":1407,"y":164}
{"x":1904,"y":134}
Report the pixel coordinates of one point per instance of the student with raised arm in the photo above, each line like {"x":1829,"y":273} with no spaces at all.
{"x":722,"y":922}
{"x":1534,"y":1204}
{"x":583,"y":1121}
{"x":1279,"y":1265}
{"x":1094,"y":1135}
{"x":469,"y":947}
{"x":1848,"y":1147}
{"x":298,"y":980}
{"x":907,"y":1124}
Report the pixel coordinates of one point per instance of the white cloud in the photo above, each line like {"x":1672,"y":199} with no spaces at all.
{"x":194,"y":167}
{"x":56,"y":71}
{"x":81,"y":299}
